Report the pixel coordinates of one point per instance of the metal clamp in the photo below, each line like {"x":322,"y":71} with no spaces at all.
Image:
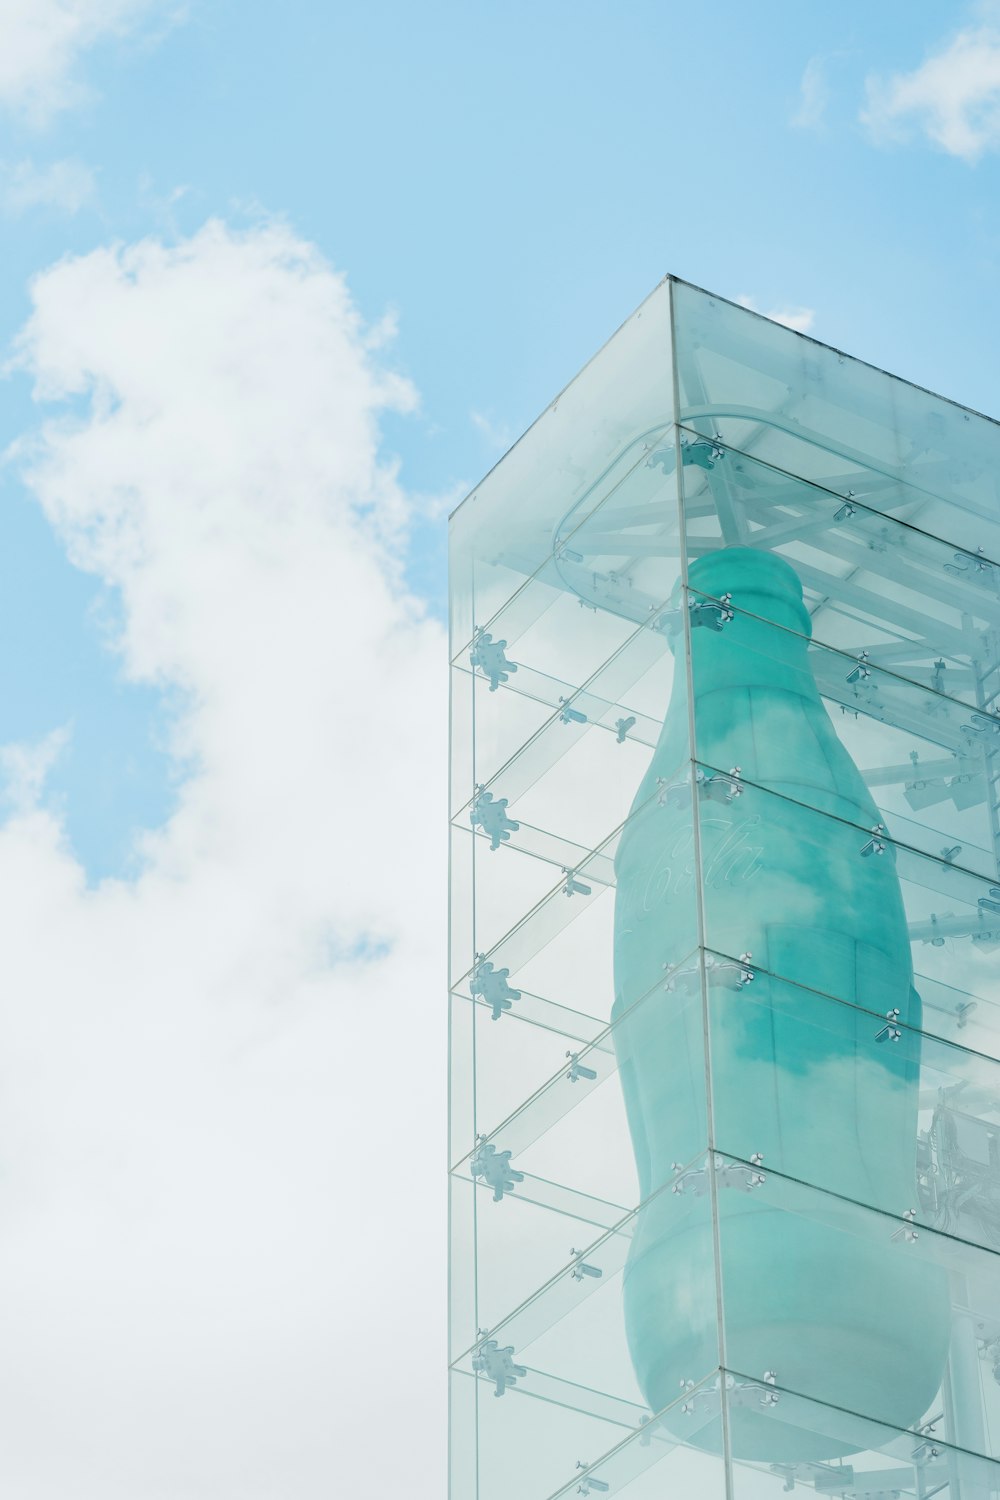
{"x":890,"y":1031}
{"x":722,"y":787}
{"x":876,"y":844}
{"x":577,"y":1070}
{"x":488,"y":655}
{"x":497,"y":1365}
{"x":588,"y":1484}
{"x":906,"y":1233}
{"x":490,"y":814}
{"x":494,"y":1168}
{"x":491,"y":985}
{"x":581,"y":1269}
{"x":569,"y":715}
{"x":716,"y":614}
{"x":991,"y":902}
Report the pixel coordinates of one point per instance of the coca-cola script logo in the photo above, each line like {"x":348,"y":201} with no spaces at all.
{"x":730,"y":856}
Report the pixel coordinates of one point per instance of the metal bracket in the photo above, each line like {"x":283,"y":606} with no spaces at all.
{"x":581,"y":1269}
{"x":715,"y":614}
{"x":733,"y":1174}
{"x":488,"y":655}
{"x":876,"y":844}
{"x":969,"y":562}
{"x":491,"y":985}
{"x":906,"y":1233}
{"x":569,"y":715}
{"x":722,"y":787}
{"x":494,"y":1168}
{"x":991,"y":902}
{"x":890,"y":1031}
{"x":724,"y":974}
{"x":490,"y":814}
{"x":588,"y":1484}
{"x":984,"y":723}
{"x":704,"y":453}
{"x":577,"y":1070}
{"x":497,"y":1365}
{"x":739,"y":1392}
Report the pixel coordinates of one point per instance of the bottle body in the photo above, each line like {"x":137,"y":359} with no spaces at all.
{"x":795,"y":1076}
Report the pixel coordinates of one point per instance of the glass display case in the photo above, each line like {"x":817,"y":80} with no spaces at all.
{"x":725,"y":926}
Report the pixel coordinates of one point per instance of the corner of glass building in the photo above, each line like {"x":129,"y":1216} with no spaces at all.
{"x":725,"y":905}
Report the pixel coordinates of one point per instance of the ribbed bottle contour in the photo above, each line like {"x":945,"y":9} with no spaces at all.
{"x":822,"y":1300}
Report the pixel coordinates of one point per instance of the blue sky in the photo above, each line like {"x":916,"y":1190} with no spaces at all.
{"x":509,"y":180}
{"x":280,"y":283}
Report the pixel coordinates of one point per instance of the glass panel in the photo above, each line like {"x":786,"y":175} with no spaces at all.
{"x":463,"y":1456}
{"x":519,"y":1051}
{"x":844,"y":1099}
{"x":532,"y":1436}
{"x":565,"y":738}
{"x":814,"y":412}
{"x":461,"y":758}
{"x":785,"y":712}
{"x":461,"y":935}
{"x":572,"y":1152}
{"x":883,"y":1463}
{"x":910,"y":601}
{"x":643,"y":1461}
{"x":837,"y":907}
{"x":572,"y":1327}
{"x":869,"y":1312}
{"x":879,"y":1461}
{"x":591,"y":1150}
{"x":651,"y":1463}
{"x":463,"y":1318}
{"x":463,"y":1042}
{"x":590,"y":449}
{"x":533,"y":885}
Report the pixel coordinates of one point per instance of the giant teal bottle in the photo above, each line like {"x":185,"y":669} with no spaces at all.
{"x":847,"y":1318}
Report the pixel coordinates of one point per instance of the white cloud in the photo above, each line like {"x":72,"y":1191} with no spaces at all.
{"x":42,"y":41}
{"x":24,"y":768}
{"x":953,"y":97}
{"x":801,"y":319}
{"x":814,"y":96}
{"x":497,"y":436}
{"x":221,"y":1265}
{"x":65,"y":186}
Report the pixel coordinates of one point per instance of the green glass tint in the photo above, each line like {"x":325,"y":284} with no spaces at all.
{"x":725,"y":1011}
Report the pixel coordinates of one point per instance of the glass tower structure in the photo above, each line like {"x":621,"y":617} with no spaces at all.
{"x":725,"y":931}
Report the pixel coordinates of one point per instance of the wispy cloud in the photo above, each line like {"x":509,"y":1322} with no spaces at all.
{"x":801,"y":319}
{"x":218,"y":1076}
{"x":952,"y":98}
{"x":43,"y":41}
{"x":497,"y":435}
{"x":63,"y":186}
{"x":24,"y":768}
{"x":814,"y":96}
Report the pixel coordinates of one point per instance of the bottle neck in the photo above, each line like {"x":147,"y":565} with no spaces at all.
{"x":765,"y":644}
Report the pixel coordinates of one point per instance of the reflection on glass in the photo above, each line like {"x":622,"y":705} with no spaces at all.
{"x":808,"y":1306}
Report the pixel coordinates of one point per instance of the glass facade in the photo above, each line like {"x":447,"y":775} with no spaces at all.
{"x":725,"y":923}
